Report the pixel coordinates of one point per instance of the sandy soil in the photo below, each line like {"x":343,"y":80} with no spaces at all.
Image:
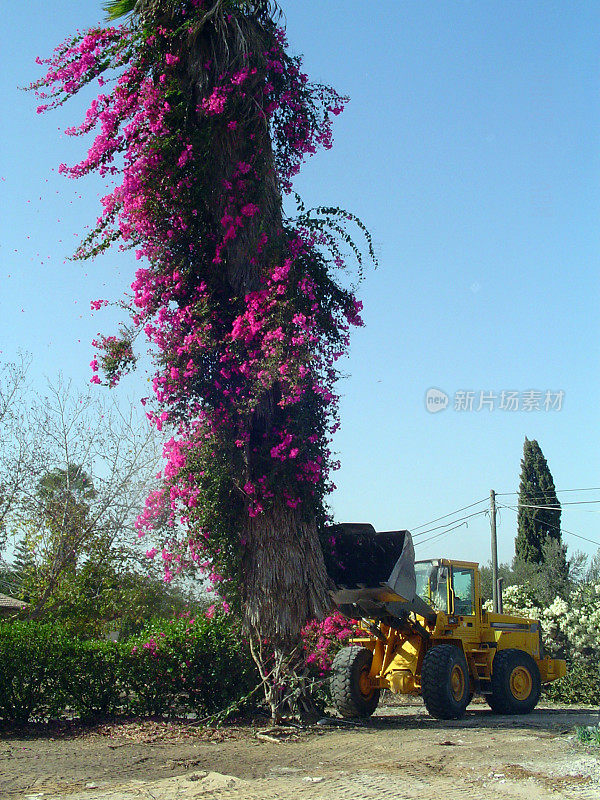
{"x":401,"y":753}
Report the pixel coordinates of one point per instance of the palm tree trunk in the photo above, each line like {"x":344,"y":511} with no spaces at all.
{"x":283,"y":586}
{"x":283,"y":574}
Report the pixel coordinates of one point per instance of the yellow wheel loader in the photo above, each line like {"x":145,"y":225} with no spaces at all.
{"x":423,"y":630}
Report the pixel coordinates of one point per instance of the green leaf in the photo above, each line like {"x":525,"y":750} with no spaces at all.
{"x":118,"y":8}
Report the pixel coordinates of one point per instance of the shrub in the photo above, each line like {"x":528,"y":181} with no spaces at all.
{"x":187,"y":664}
{"x":31,"y":666}
{"x":581,"y":684}
{"x":218,"y":665}
{"x":91,"y":679}
{"x":148,"y":672}
{"x":175,"y":667}
{"x":322,"y":639}
{"x":589,"y":736}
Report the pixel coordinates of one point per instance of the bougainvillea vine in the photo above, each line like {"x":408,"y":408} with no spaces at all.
{"x":202,"y":121}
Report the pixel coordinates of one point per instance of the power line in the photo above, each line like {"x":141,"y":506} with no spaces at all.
{"x":439,"y":535}
{"x":460,"y":519}
{"x":580,"y":502}
{"x":578,"y":536}
{"x":558,"y":507}
{"x":558,"y":528}
{"x":445,"y":516}
{"x":558,"y":491}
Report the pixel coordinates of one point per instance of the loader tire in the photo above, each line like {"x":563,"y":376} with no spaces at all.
{"x":445,"y":682}
{"x":350,"y":693}
{"x":516,"y":683}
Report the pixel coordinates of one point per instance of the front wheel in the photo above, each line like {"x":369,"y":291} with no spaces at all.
{"x":516,"y":683}
{"x":445,"y":682}
{"x":351,"y":690}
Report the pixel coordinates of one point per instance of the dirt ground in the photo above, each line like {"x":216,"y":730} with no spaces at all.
{"x":401,"y":753}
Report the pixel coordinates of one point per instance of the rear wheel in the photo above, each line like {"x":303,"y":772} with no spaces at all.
{"x":351,"y":690}
{"x":516,"y":683}
{"x":445,"y":682}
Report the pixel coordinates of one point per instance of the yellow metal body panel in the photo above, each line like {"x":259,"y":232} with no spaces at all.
{"x":551,"y":669}
{"x":398,"y":655}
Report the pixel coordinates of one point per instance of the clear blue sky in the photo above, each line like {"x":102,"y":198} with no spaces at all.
{"x":471,"y":149}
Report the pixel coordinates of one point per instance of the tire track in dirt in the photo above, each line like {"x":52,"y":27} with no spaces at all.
{"x":404,"y":755}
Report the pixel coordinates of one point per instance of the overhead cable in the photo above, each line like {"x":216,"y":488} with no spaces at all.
{"x":558,"y":491}
{"x":452,"y":514}
{"x":460,"y":519}
{"x":439,"y":535}
{"x":560,"y":529}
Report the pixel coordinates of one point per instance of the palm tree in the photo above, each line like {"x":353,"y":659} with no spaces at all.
{"x":213,"y":118}
{"x":282,"y":574}
{"x":63,"y":498}
{"x":59,"y":519}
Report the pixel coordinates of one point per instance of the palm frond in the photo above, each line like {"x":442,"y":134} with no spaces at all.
{"x":118,"y":8}
{"x":154,"y":9}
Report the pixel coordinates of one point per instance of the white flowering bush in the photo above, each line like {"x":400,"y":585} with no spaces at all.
{"x":570,"y":630}
{"x":571,"y":627}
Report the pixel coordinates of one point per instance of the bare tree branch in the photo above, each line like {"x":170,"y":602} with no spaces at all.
{"x":75,"y":470}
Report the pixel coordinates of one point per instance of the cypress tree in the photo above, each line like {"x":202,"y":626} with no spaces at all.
{"x":23,"y":557}
{"x":539,"y":510}
{"x":22,"y":568}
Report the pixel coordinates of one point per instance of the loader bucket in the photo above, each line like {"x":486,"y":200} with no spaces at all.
{"x":365,"y":566}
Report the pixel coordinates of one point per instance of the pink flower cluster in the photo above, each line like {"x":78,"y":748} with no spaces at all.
{"x":323,"y":638}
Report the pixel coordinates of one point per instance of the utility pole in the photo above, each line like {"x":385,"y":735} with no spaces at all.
{"x":495,"y":604}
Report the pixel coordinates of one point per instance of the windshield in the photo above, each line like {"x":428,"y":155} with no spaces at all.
{"x":432,"y":584}
{"x":464,"y":590}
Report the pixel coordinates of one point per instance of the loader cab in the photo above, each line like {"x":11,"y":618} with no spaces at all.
{"x":448,"y":586}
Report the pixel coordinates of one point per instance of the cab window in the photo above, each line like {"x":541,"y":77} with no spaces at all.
{"x":463,"y":587}
{"x":432,"y":585}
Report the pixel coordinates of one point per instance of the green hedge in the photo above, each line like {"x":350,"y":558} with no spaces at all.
{"x":91,"y":682}
{"x":32,"y":658}
{"x":185,"y":666}
{"x":581,"y":684}
{"x":173,"y":668}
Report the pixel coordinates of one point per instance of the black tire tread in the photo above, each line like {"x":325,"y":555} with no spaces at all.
{"x":434,"y":676}
{"x":500,"y":700}
{"x":344,"y":693}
